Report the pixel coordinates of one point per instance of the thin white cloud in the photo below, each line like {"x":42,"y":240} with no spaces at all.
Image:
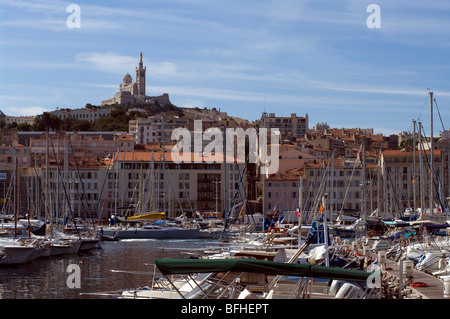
{"x":113,"y":62}
{"x":381,"y":90}
{"x":164,"y":69}
{"x":287,"y":9}
{"x":49,"y":24}
{"x":43,"y":6}
{"x":108,"y":61}
{"x":24,"y":110}
{"x":326,"y":101}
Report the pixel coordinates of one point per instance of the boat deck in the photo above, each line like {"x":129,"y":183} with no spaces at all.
{"x":434,"y":288}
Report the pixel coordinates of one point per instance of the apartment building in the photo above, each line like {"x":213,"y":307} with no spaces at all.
{"x":281,"y":192}
{"x":408,"y":181}
{"x":88,"y":114}
{"x":139,"y":182}
{"x":19,"y":119}
{"x":11,"y":150}
{"x":150,"y":130}
{"x":341,"y":179}
{"x":75,"y":191}
{"x":79,"y":144}
{"x":350,"y":189}
{"x":293,"y":125}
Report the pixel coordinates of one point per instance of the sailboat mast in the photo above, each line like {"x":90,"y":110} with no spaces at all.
{"x":48,"y":201}
{"x":164,"y":165}
{"x":300,"y":209}
{"x":431,"y":152}
{"x":16,"y":190}
{"x":378,"y":185}
{"x":325,"y":228}
{"x":414,"y":168}
{"x":363,"y":206}
{"x":422,"y":182}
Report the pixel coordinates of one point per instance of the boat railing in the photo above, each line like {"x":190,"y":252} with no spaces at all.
{"x":226,"y":285}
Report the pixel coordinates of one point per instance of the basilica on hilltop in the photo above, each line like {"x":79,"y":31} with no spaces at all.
{"x":134,"y":92}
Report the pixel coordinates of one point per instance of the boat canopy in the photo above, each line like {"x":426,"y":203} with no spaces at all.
{"x":160,"y":215}
{"x":396,"y":223}
{"x":185,"y":266}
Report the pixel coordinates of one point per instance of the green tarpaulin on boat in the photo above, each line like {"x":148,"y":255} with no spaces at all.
{"x":185,"y":266}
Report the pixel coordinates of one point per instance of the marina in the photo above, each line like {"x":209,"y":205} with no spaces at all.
{"x":309,"y":244}
{"x":46,"y":278}
{"x":422,"y":285}
{"x":224,"y":157}
{"x":270,"y":264}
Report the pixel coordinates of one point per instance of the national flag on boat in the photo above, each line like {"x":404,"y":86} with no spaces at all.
{"x":297,"y":212}
{"x":321,"y":209}
{"x":280,"y":220}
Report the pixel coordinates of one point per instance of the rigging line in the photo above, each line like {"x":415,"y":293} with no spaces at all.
{"x":423,"y":106}
{"x":319,"y":194}
{"x":395,"y":196}
{"x":317,"y":200}
{"x":439,"y":113}
{"x":184,"y":188}
{"x":85,"y":201}
{"x":309,"y":189}
{"x":437,"y":181}
{"x":349,"y":182}
{"x":234,"y":198}
{"x":39,"y":189}
{"x":172,"y":187}
{"x":285,"y":196}
{"x":97,"y":208}
{"x":244,"y":197}
{"x":65,"y":193}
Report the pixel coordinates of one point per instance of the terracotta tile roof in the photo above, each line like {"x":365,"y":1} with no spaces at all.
{"x":158,"y":157}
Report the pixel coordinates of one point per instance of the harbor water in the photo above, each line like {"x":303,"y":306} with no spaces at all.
{"x":52,"y":277}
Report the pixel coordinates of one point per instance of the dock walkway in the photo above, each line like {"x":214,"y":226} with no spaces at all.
{"x":433,"y":288}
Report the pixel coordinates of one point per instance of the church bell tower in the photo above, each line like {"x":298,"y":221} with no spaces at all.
{"x":140,"y":78}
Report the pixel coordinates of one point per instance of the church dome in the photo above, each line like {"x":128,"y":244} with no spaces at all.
{"x":127,"y":79}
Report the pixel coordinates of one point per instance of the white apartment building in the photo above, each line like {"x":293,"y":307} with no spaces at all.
{"x":90,"y":115}
{"x":150,"y":130}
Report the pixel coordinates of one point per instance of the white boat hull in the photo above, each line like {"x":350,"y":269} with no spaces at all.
{"x":18,"y":254}
{"x":57,"y":249}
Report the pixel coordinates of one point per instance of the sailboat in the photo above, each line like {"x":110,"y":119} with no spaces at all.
{"x":152,"y":225}
{"x":432,"y":249}
{"x":12,"y":250}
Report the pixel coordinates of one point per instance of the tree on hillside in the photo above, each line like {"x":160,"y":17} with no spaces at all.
{"x":81,"y":125}
{"x":47,"y":121}
{"x":111,"y":123}
{"x":24,"y":127}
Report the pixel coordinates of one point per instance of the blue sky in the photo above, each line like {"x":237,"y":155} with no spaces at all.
{"x":244,"y":57}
